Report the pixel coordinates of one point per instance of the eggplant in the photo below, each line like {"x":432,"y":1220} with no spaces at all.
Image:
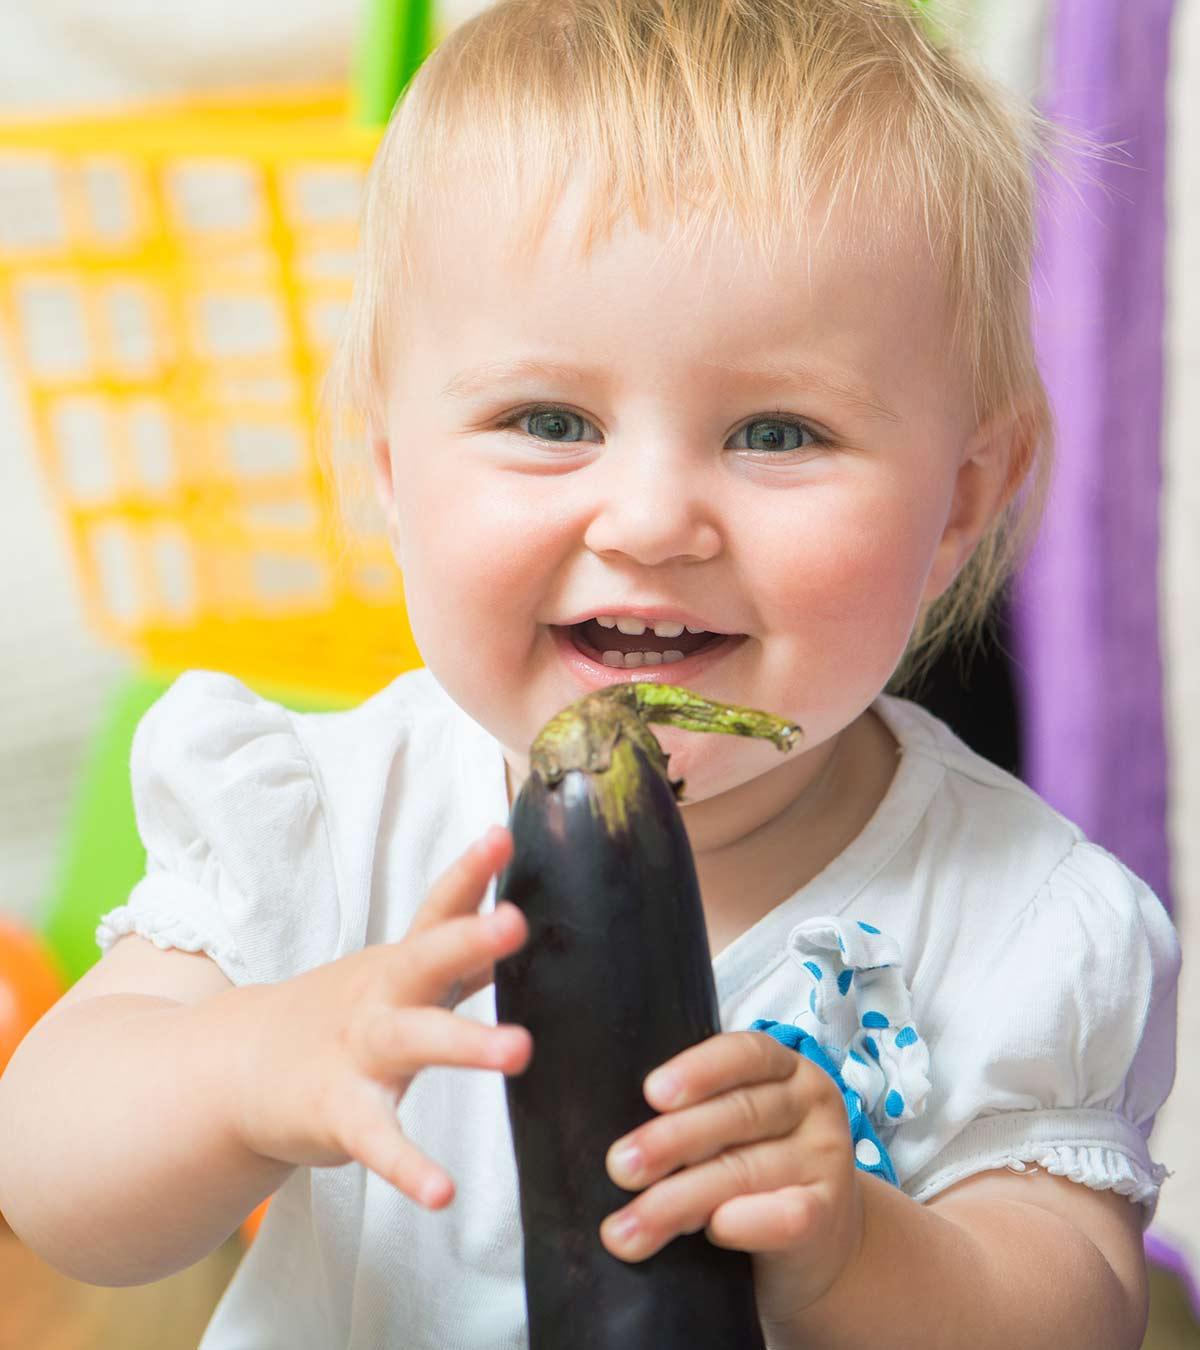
{"x":614,"y":979}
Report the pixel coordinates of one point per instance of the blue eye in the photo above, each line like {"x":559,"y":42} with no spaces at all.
{"x":774,"y":441}
{"x":786,"y":434}
{"x":554,"y":420}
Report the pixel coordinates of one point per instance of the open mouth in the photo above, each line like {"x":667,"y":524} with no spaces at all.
{"x":626,"y":651}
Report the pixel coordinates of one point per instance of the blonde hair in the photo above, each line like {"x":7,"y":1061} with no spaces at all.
{"x":686,"y":110}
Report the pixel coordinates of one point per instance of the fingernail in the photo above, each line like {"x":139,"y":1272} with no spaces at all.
{"x":664,"y":1087}
{"x":623,"y":1227}
{"x":627,"y":1161}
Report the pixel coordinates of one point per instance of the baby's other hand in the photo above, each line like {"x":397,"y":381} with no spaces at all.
{"x":328,"y":1055}
{"x":753,"y":1146}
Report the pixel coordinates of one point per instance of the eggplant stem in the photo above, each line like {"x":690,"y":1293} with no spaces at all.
{"x":679,"y":707}
{"x":585,"y":734}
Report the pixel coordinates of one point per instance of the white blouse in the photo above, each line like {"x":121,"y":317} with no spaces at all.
{"x":997,"y":989}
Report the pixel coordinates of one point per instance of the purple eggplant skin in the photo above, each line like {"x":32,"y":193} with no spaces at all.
{"x":614,"y":979}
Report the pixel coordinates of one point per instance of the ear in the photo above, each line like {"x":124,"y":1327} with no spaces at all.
{"x":993,"y":465}
{"x":385,"y":487}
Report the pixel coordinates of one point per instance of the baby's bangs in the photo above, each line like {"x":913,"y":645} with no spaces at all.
{"x":777,"y":114}
{"x":678,"y":114}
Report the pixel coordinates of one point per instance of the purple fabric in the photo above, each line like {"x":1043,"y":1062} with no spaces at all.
{"x":1085,"y":613}
{"x":1085,"y":608}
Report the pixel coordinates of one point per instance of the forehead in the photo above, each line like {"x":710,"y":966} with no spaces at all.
{"x":856,"y":281}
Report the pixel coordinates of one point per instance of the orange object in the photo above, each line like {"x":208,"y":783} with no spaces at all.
{"x":253,"y":1222}
{"x":30,"y":984}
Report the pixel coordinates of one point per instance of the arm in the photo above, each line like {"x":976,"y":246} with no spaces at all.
{"x":751,"y":1144}
{"x":119,"y":1162}
{"x":995,"y":1261}
{"x":155,"y":1104}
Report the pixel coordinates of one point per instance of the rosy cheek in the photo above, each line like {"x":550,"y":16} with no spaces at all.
{"x":477,"y":565}
{"x":846,"y":585}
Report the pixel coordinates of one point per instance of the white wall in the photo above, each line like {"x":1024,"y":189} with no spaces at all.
{"x":1177,"y":1131}
{"x":54,"y":675}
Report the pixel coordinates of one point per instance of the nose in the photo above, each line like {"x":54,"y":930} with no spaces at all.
{"x":653,"y":508}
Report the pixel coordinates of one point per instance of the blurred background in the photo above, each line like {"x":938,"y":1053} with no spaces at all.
{"x":178,"y":189}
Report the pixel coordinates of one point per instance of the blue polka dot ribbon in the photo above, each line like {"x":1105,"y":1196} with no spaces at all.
{"x":860,"y":1012}
{"x":869,"y":1153}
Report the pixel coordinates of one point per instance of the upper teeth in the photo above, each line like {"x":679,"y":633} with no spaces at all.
{"x":663,"y":628}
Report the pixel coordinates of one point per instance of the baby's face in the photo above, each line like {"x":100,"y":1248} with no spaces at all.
{"x":804,"y":515}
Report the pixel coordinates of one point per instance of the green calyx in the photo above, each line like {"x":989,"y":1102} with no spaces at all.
{"x":597,"y":733}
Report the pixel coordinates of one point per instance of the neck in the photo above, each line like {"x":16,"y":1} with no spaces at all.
{"x":779,"y":831}
{"x":762,"y":841}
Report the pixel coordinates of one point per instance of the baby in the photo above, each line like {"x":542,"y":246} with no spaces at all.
{"x":692,"y":343}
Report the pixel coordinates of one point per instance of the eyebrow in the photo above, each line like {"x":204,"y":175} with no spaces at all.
{"x":776,"y":375}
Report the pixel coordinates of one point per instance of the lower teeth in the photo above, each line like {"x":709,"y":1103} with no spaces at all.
{"x":631,"y":659}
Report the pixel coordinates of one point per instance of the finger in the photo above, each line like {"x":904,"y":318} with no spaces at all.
{"x":461,"y":990}
{"x":396,"y":1043}
{"x":744,"y":1115}
{"x":374,"y":1138}
{"x":770,"y":1221}
{"x":684,"y":1202}
{"x":462,"y":886}
{"x":724,"y":1061}
{"x":425,"y":967}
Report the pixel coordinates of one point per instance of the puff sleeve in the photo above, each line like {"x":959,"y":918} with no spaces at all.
{"x":238,"y":860}
{"x":1064,"y":1050}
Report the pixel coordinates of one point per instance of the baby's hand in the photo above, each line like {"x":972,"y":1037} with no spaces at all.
{"x":753,"y":1145}
{"x":329,"y":1054}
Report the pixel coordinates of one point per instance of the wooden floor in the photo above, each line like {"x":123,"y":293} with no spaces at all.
{"x":43,"y":1310}
{"x":1171,"y":1324}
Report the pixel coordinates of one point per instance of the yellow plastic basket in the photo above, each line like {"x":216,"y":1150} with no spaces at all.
{"x":171,"y":282}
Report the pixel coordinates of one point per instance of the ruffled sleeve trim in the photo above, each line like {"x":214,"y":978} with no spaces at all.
{"x":1100,"y":1149}
{"x":239,"y":856}
{"x":170,"y":912}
